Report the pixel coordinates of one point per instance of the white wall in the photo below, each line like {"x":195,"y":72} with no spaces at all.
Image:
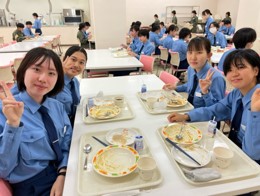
{"x":228,"y":6}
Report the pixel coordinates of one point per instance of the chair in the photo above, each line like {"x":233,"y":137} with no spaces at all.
{"x":168,"y":78}
{"x":48,"y":45}
{"x":1,"y":40}
{"x":6,"y":74}
{"x":148,"y":62}
{"x":5,"y":188}
{"x":16,"y":65}
{"x":94,"y":74}
{"x":163,"y":58}
{"x":175,"y":62}
{"x":56,"y":45}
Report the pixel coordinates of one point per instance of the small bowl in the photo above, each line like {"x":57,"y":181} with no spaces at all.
{"x":223,"y":156}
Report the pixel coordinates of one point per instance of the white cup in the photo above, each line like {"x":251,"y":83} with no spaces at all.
{"x":146,"y":166}
{"x":223,"y":156}
{"x":151,"y":101}
{"x":119,"y":101}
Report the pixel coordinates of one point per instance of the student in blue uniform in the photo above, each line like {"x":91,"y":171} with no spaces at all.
{"x":37,"y":24}
{"x":147,"y":48}
{"x":180,"y":46}
{"x":27,"y":31}
{"x":241,"y":106}
{"x":163,"y":30}
{"x":230,"y":29}
{"x":136,"y":43}
{"x":222,"y":27}
{"x":74,"y":63}
{"x":154,"y":38}
{"x":215,"y":37}
{"x":243,"y":38}
{"x":200,"y":76}
{"x":206,"y":15}
{"x":35,"y":131}
{"x":168,"y":41}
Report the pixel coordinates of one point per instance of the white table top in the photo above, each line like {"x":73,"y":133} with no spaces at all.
{"x":102,"y":59}
{"x":7,"y":58}
{"x":21,"y":47}
{"x":216,"y":56}
{"x":148,"y":124}
{"x":44,"y":38}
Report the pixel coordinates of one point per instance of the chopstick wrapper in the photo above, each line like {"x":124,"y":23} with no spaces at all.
{"x":202,"y":174}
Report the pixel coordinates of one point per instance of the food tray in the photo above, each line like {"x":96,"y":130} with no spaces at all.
{"x":241,"y":167}
{"x":125,"y":114}
{"x":89,"y":182}
{"x":165,"y":110}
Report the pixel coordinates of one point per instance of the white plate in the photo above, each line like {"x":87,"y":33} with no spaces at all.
{"x":115,"y":161}
{"x":104,"y":111}
{"x":121,"y":136}
{"x":195,"y":151}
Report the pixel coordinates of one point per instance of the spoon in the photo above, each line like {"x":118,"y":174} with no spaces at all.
{"x":179,"y":136}
{"x":87,"y":149}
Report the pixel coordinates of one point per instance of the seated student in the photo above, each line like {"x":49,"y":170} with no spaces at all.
{"x":243,"y":38}
{"x":154,"y":38}
{"x":82,"y":36}
{"x":180,"y":46}
{"x":200,"y":76}
{"x":35,"y":129}
{"x":215,"y":37}
{"x":230,"y":29}
{"x":74,"y":63}
{"x":168,"y":41}
{"x":27,"y":31}
{"x":136,"y":43}
{"x":241,"y":106}
{"x":222,"y":27}
{"x":163,"y":30}
{"x":147,"y":48}
{"x":18,"y":33}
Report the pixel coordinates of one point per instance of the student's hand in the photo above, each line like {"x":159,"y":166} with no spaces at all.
{"x":89,"y":36}
{"x":170,"y":86}
{"x":12,"y":109}
{"x":57,"y":187}
{"x":131,"y":53}
{"x":205,"y":83}
{"x":176,"y":117}
{"x":255,"y":101}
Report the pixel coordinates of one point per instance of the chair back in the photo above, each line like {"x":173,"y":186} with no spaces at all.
{"x":175,"y":58}
{"x":5,"y":188}
{"x":1,"y":40}
{"x":148,"y":62}
{"x":6,"y":74}
{"x":164,"y":53}
{"x":48,"y":45}
{"x":16,"y":65}
{"x":168,"y":78}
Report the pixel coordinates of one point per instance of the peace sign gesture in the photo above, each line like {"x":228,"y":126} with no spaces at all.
{"x":205,"y":83}
{"x":255,"y":101}
{"x":12,"y":109}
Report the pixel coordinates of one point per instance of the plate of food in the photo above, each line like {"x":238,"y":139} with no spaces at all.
{"x":176,"y":101}
{"x":190,"y":134}
{"x":106,"y":111}
{"x":115,"y":161}
{"x":122,"y":53}
{"x":121,"y":136}
{"x":200,"y":154}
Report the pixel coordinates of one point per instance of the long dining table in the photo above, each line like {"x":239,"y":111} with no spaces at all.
{"x":21,"y":47}
{"x":173,"y":182}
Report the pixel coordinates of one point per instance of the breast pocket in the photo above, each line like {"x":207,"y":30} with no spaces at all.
{"x":34,"y":145}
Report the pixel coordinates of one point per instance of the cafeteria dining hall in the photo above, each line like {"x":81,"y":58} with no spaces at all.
{"x":128,"y":97}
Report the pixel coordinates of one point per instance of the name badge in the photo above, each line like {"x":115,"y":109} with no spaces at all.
{"x":198,"y":94}
{"x":243,"y":127}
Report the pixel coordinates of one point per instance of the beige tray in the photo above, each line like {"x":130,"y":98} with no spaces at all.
{"x":242,"y":166}
{"x":165,"y":110}
{"x":125,"y":114}
{"x":91,"y":183}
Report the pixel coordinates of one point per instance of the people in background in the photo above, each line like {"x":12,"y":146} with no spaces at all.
{"x":35,"y":129}
{"x":163,"y":30}
{"x":74,"y":63}
{"x":156,"y":19}
{"x":180,"y":46}
{"x":230,"y":29}
{"x":241,"y":106}
{"x":146,"y":48}
{"x":18,"y":34}
{"x":243,"y":38}
{"x":27,"y":31}
{"x":82,"y":36}
{"x":194,"y":21}
{"x":174,"y":18}
{"x":222,"y":27}
{"x":227,"y":17}
{"x":206,"y":15}
{"x":201,"y":75}
{"x":154,"y":37}
{"x":171,"y":32}
{"x":215,"y":37}
{"x":138,"y":23}
{"x":37,"y":24}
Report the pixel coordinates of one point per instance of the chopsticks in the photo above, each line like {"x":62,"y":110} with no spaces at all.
{"x":180,"y":149}
{"x":101,"y":142}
